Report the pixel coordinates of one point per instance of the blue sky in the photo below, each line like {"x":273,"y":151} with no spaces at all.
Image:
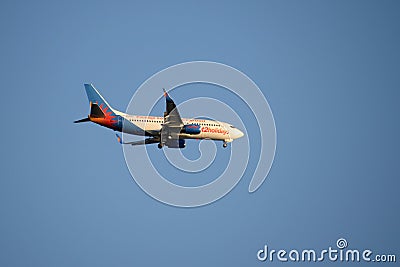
{"x":329,"y":70}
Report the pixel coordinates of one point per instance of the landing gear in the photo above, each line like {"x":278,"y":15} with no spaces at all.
{"x":160,"y":145}
{"x":225,"y":145}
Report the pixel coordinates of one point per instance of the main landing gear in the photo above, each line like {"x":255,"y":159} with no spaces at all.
{"x":160,"y":145}
{"x":225,"y":145}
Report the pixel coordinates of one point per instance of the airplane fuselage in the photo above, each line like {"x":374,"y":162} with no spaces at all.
{"x":170,"y":130}
{"x":151,"y":125}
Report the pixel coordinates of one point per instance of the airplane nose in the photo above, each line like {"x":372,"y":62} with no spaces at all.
{"x":237,"y":133}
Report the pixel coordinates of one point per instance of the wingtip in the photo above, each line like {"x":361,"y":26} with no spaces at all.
{"x":119,"y":138}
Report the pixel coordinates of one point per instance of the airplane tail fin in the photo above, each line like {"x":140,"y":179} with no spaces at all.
{"x":94,"y":97}
{"x":99,"y":108}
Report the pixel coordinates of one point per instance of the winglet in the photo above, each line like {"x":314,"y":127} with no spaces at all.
{"x":119,"y":138}
{"x":167,"y":96}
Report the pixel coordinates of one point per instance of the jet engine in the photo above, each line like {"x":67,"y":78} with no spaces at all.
{"x":191,"y":129}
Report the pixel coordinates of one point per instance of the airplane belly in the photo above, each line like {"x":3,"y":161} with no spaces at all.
{"x":214,"y":136}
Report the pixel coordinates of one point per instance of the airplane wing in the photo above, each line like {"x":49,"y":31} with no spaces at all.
{"x":170,"y":129}
{"x":151,"y":140}
{"x":171,"y":115}
{"x":172,"y":123}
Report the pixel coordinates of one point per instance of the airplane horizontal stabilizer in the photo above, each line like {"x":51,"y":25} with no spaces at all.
{"x":82,"y":120}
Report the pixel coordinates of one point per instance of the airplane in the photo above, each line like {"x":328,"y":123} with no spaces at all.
{"x":170,"y":130}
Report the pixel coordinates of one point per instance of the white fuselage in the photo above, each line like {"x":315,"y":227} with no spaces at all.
{"x":209,"y":129}
{"x":170,"y":130}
